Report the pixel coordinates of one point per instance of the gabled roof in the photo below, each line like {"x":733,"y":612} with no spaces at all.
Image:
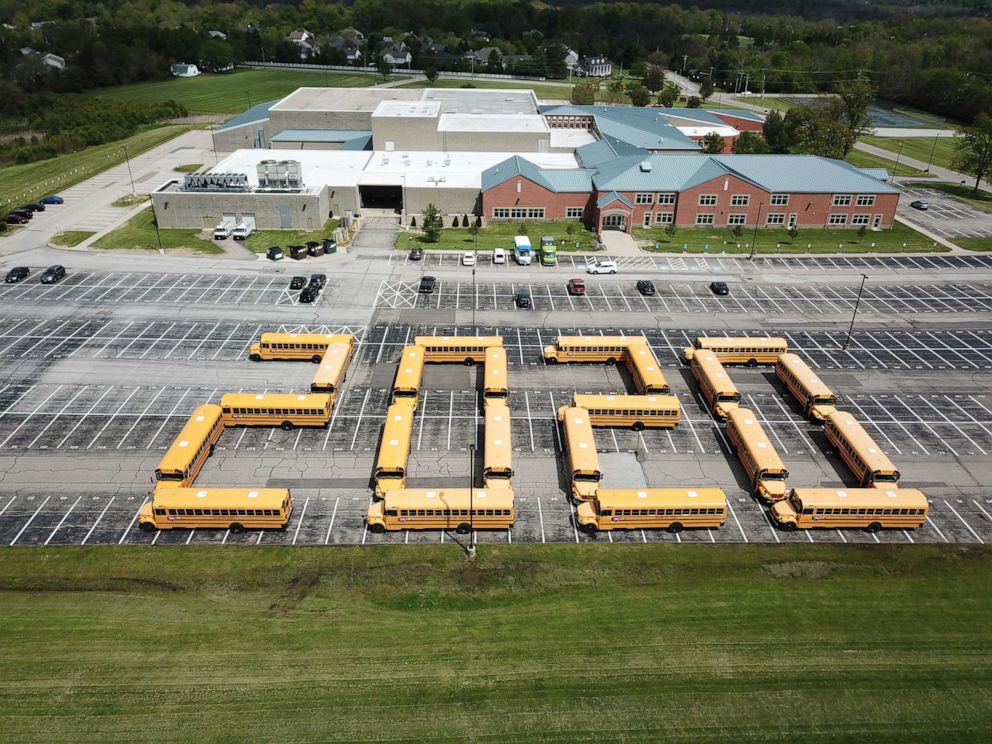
{"x":606,"y":149}
{"x":644,"y":128}
{"x":257,"y":113}
{"x":557,"y":180}
{"x":612,"y":197}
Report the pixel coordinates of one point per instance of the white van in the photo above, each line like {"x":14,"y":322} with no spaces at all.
{"x":243,"y":231}
{"x":499,"y":256}
{"x":223,"y":230}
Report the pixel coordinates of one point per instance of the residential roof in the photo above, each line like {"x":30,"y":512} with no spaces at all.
{"x":612,"y":197}
{"x":257,"y":113}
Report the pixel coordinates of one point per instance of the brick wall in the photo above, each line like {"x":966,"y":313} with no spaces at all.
{"x":521,"y":192}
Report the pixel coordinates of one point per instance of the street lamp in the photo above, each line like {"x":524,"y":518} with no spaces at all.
{"x":128,"y":161}
{"x":895,"y":168}
{"x":932,"y":151}
{"x":754,"y":237}
{"x":470,"y":551}
{"x":855,"y":313}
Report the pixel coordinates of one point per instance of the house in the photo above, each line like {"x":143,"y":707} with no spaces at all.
{"x":216,"y":34}
{"x":429,"y":46}
{"x":571,"y":58}
{"x":482,"y":55}
{"x":350,"y":46}
{"x":184,"y":70}
{"x":595,"y":67}
{"x":306,"y":43}
{"x":397,"y":54}
{"x":47,"y":58}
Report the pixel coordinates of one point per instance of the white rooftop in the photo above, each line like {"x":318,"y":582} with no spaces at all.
{"x":703,"y":129}
{"x":343,"y":99}
{"x":571,"y":138}
{"x":492,"y":123}
{"x":429,"y":109}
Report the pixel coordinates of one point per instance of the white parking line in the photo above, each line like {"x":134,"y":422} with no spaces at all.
{"x":358,"y":425}
{"x":62,"y":521}
{"x":327,"y":537}
{"x":737,"y":521}
{"x":959,"y":429}
{"x":127,"y":530}
{"x":303,"y":513}
{"x":931,"y":523}
{"x":168,"y":416}
{"x":29,"y":416}
{"x":920,"y":420}
{"x":30,"y":520}
{"x":98,"y":520}
{"x":948,"y":503}
{"x":120,"y":408}
{"x":55,"y":418}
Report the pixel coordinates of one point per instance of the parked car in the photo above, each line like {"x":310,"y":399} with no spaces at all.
{"x":468,"y":259}
{"x":416,"y":254}
{"x":427,"y":285}
{"x":920,"y":204}
{"x":499,"y":256}
{"x":22,"y":212}
{"x":53,"y":274}
{"x":576,"y":286}
{"x":298,"y":282}
{"x":719,"y":288}
{"x":522,"y":298}
{"x":16,"y":274}
{"x":16,"y":219}
{"x":53,"y":199}
{"x":601,"y":267}
{"x":34,"y":207}
{"x":274,"y":253}
{"x":309,"y":294}
{"x":318,"y":281}
{"x":646,"y":287}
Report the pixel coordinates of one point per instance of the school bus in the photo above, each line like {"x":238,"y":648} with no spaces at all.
{"x":872,"y":509}
{"x":497,"y":460}
{"x":195,"y":443}
{"x":295,"y":346}
{"x":580,"y":449}
{"x":813,"y":395}
{"x":636,"y":411}
{"x":751,"y":351}
{"x":394,"y":451}
{"x":460,"y":509}
{"x":465,"y":349}
{"x":765,"y":471}
{"x":234,"y":509}
{"x":858,"y":450}
{"x":587,"y":349}
{"x":643,"y":368}
{"x":409,"y":376}
{"x":333,"y":369}
{"x":718,"y":389}
{"x":285,"y":410}
{"x":494,"y":376}
{"x":671,"y":509}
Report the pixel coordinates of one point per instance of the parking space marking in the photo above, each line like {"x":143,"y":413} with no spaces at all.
{"x":98,"y":520}
{"x":130,"y":524}
{"x":30,"y":520}
{"x":65,"y":516}
{"x":30,"y":416}
{"x":961,"y":519}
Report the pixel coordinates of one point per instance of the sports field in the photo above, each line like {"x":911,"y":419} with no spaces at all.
{"x":917,"y":147}
{"x":541,"y":643}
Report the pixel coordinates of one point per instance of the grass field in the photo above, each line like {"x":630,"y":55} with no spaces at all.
{"x":778,"y":241}
{"x":139,"y":234}
{"x":22,"y":183}
{"x":529,"y":643}
{"x":500,"y":235}
{"x":542,"y":91}
{"x":917,"y":147}
{"x":229,"y":93}
{"x":863,"y":159}
{"x":71,"y":237}
{"x":974,"y":244}
{"x":262,"y":239}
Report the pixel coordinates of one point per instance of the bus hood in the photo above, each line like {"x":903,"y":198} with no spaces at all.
{"x":585,"y":491}
{"x":688,"y":352}
{"x":145,"y":513}
{"x":585,"y":512}
{"x":773,"y":490}
{"x":782,"y":511}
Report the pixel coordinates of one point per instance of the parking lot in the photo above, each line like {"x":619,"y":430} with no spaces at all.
{"x":946,"y":216}
{"x":155,"y":289}
{"x":611,"y":295}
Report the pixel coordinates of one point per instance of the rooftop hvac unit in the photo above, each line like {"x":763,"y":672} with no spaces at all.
{"x":265,"y":171}
{"x":645,"y":166}
{"x":215,"y":182}
{"x":294,"y":173}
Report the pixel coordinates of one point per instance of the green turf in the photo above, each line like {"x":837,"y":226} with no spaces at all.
{"x":22,"y":183}
{"x":980,"y":199}
{"x":500,"y":235}
{"x":973,"y":244}
{"x":262,"y":239}
{"x":139,"y":234}
{"x":556,"y":643}
{"x":130,"y":200}
{"x":71,"y":237}
{"x":862,"y":159}
{"x":542,"y":91}
{"x":917,"y":147}
{"x":899,"y":239}
{"x":233,"y":92}
{"x":188,"y":168}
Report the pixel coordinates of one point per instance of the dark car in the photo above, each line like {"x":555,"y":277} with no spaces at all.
{"x":646,"y":287}
{"x":53,"y":274}
{"x":16,"y":274}
{"x":53,"y":199}
{"x":309,"y":294}
{"x":318,"y":281}
{"x":16,"y":219}
{"x":576,"y":286}
{"x":298,"y":282}
{"x":416,"y":254}
{"x":34,"y":207}
{"x":314,"y":248}
{"x":427,"y":285}
{"x":920,"y":204}
{"x":522,"y":298}
{"x":274,"y":253}
{"x":719,"y":288}
{"x":22,"y":212}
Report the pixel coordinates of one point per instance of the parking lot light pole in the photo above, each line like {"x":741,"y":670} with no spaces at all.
{"x":754,"y":237}
{"x":895,"y":168}
{"x":128,"y":161}
{"x":470,"y":551}
{"x":855,"y":313}
{"x":932,"y":151}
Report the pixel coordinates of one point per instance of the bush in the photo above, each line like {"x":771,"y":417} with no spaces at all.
{"x":464,"y":220}
{"x":454,"y":222}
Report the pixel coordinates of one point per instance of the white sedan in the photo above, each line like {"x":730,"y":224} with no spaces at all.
{"x":601,"y":267}
{"x":468,"y":259}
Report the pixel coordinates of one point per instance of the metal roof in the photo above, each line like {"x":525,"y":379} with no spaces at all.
{"x":553,"y":179}
{"x":251,"y":116}
{"x":319,"y":135}
{"x":568,"y":180}
{"x":612,"y":196}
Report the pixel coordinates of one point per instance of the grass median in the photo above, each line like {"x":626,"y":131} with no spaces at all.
{"x":263,"y":239}
{"x":501,"y":234}
{"x":862,"y":159}
{"x":537,"y":643}
{"x":139,"y":233}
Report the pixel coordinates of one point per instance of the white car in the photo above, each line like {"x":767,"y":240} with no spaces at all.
{"x":601,"y":267}
{"x":468,"y":259}
{"x":499,"y":256}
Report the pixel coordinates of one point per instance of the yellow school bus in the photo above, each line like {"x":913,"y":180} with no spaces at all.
{"x":234,"y":509}
{"x":766,"y":473}
{"x":285,"y":410}
{"x":465,"y":349}
{"x":718,"y":389}
{"x":497,"y":459}
{"x":580,"y":449}
{"x":295,"y":346}
{"x":191,"y":448}
{"x":587,"y":349}
{"x":871,"y":509}
{"x":858,"y":450}
{"x":751,"y":351}
{"x":669,"y":509}
{"x":333,"y":369}
{"x":409,"y":376}
{"x":460,"y":509}
{"x":643,"y":368}
{"x":394,"y":451}
{"x":635,"y":411}
{"x":495,"y":383}
{"x":813,"y":395}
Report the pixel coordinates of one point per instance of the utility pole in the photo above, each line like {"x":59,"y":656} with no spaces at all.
{"x":763,"y":76}
{"x":128,"y":161}
{"x":747,"y":81}
{"x":685,"y":58}
{"x":895,"y":168}
{"x":754,"y":237}
{"x":470,"y":551}
{"x":855,"y":313}
{"x":932,"y":151}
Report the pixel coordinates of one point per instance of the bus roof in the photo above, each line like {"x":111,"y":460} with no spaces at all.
{"x":884,"y":498}
{"x":394,"y":451}
{"x":484,"y":341}
{"x":191,"y":436}
{"x":449,"y":498}
{"x":754,"y":439}
{"x":579,"y":439}
{"x":626,"y":402}
{"x":712,"y":370}
{"x":867,"y":449}
{"x":801,"y":371}
{"x":220,"y":498}
{"x":498,"y":450}
{"x":274,"y":337}
{"x":410,"y":369}
{"x":641,"y":498}
{"x":275,"y":400}
{"x":746,"y":342}
{"x":494,"y":372}
{"x":623,"y":341}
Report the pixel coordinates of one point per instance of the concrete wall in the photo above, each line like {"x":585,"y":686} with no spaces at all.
{"x":205,"y":210}
{"x":496,"y":141}
{"x":240,"y":138}
{"x":305,"y":145}
{"x":280,"y":120}
{"x":405,"y":132}
{"x":341,"y":199}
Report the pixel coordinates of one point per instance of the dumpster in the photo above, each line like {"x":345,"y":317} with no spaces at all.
{"x":330,"y":246}
{"x":314,"y":248}
{"x":298,"y":252}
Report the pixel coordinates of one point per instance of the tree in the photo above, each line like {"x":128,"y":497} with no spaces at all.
{"x":570,"y":230}
{"x":430,"y":72}
{"x":817,"y":131}
{"x":750,"y":143}
{"x":639,"y":95}
{"x":654,"y":79}
{"x":694,"y":102}
{"x":464,"y":220}
{"x":862,"y":231}
{"x":973,"y":149}
{"x":413,"y":221}
{"x":670,"y":231}
{"x":775,"y":134}
{"x":737,"y":232}
{"x":706,"y":88}
{"x":712,"y":143}
{"x":454,"y":222}
{"x":383,"y":67}
{"x":669,"y":95}
{"x":583,"y":94}
{"x":478,"y":221}
{"x":793,"y":232}
{"x":432,"y":223}
{"x":614,"y":91}
{"x":856,"y":97}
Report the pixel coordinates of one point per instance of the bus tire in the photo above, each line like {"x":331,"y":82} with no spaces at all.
{"x":788,"y":527}
{"x":550,"y":360}
{"x":316,"y":358}
{"x":147,"y":527}
{"x":874,"y":527}
{"x":611,"y":360}
{"x":377,"y":529}
{"x":589,"y":529}
{"x":638,"y":426}
{"x":463,"y":528}
{"x":286,"y":426}
{"x":675,"y":528}
{"x":469,"y":361}
{"x":752,"y":363}
{"x":255,"y":357}
{"x":212,"y":447}
{"x":236,"y":528}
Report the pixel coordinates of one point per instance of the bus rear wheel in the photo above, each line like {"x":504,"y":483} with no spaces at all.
{"x":874,"y":527}
{"x":236,"y":528}
{"x":377,"y":529}
{"x":638,"y":426}
{"x":468,"y":362}
{"x":589,"y":529}
{"x":463,"y":528}
{"x":255,"y":357}
{"x":752,"y":363}
{"x":611,"y":360}
{"x":550,"y":360}
{"x":788,"y":527}
{"x":675,"y":528}
{"x":286,"y":426}
{"x":147,"y":527}
{"x":316,"y":358}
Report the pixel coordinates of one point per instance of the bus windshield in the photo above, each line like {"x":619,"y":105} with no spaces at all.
{"x":772,"y":476}
{"x":886,"y":478}
{"x":796,"y":504}
{"x":169,"y":476}
{"x":586,"y":477}
{"x":383,"y":474}
{"x":733,"y":398}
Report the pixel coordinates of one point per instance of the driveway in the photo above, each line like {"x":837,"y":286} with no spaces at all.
{"x":619,"y":243}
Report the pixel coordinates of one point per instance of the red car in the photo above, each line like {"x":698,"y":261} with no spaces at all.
{"x":576,"y":286}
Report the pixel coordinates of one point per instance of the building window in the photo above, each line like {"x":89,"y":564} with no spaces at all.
{"x":780,"y":200}
{"x":666,"y":198}
{"x":704,"y":219}
{"x":866,"y":200}
{"x":737,"y":219}
{"x":644,"y":199}
{"x":842,"y":200}
{"x":776,"y":218}
{"x":573,"y":213}
{"x":740,"y":200}
{"x":860,"y":219}
{"x":647,"y":219}
{"x":664,"y":218}
{"x":707,"y":200}
{"x":501,"y":214}
{"x":838,"y":219}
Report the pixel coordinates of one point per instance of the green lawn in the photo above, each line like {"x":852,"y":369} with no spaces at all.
{"x":262,"y":239}
{"x":22,"y":183}
{"x":139,"y":234}
{"x":232,"y":92}
{"x":556,"y":643}
{"x":71,"y":237}
{"x":980,"y":199}
{"x":973,"y":244}
{"x":863,"y":159}
{"x":917,"y":147}
{"x":542,"y":91}
{"x":130,"y":200}
{"x":500,"y":235}
{"x":898,"y":239}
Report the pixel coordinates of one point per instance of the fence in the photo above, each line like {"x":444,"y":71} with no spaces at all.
{"x":374,"y":70}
